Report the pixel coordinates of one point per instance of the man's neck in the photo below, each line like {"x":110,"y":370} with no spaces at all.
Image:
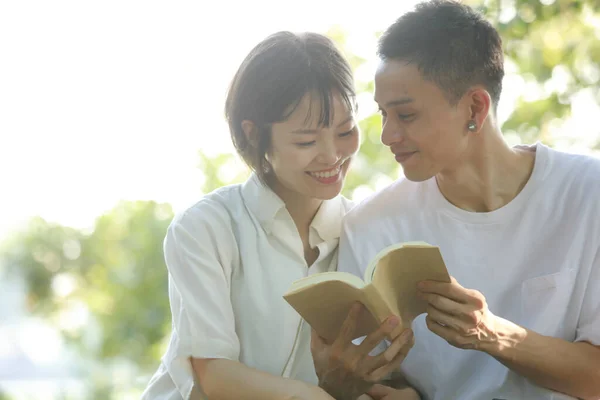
{"x":490,"y":175}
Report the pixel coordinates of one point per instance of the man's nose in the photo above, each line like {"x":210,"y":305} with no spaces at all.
{"x":391,"y":133}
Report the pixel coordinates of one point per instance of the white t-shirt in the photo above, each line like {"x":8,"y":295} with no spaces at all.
{"x":536,"y":260}
{"x":230,"y":258}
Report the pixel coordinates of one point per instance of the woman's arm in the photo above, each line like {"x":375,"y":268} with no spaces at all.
{"x":223,"y":379}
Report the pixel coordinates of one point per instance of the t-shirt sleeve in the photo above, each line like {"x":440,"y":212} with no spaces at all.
{"x":348,"y":261}
{"x":588,"y":327}
{"x":199,"y":249}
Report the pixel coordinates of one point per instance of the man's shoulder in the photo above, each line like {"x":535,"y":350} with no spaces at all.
{"x":581,"y":172}
{"x":397,"y":198}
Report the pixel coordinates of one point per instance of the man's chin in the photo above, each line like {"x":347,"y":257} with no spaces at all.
{"x":416,"y":176}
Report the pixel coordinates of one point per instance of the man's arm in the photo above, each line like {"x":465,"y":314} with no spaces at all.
{"x":222,"y":379}
{"x":462,"y":318}
{"x":571,"y":368}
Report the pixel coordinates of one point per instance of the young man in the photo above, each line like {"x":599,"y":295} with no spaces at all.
{"x":519,"y":228}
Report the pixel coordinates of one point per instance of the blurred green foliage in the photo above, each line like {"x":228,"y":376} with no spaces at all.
{"x":555,"y":46}
{"x":113,"y":278}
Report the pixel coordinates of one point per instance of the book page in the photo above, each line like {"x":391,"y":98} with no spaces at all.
{"x":315,"y":279}
{"x":325,"y":307}
{"x":398,"y":273}
{"x":370,"y":271}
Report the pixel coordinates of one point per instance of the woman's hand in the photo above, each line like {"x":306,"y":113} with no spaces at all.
{"x":346,"y":370}
{"x":381,"y":392}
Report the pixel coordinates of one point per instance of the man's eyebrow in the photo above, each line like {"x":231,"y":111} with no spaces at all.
{"x":397,"y":102}
{"x":400,"y":101}
{"x":313,"y":131}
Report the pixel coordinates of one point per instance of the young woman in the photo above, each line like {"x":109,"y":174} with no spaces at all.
{"x":232,"y":255}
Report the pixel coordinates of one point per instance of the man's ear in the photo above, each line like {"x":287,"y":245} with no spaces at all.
{"x":480,"y":107}
{"x":251,"y":132}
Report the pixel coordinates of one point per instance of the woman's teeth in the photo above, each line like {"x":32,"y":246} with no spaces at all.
{"x":327,"y":174}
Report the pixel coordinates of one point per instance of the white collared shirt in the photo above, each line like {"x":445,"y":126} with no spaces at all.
{"x":230,"y":258}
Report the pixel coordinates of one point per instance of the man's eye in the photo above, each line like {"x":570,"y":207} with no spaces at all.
{"x":405,"y":117}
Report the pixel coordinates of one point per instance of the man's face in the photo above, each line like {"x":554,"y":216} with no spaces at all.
{"x":425,"y":132}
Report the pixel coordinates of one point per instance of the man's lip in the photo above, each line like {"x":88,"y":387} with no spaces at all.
{"x":403,"y":153}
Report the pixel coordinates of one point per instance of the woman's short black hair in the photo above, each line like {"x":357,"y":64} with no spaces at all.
{"x":273,"y":79}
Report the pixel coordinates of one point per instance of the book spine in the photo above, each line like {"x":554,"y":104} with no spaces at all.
{"x":375,"y":303}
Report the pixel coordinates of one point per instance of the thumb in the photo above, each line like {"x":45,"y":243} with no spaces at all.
{"x":316,"y":341}
{"x":378,"y":391}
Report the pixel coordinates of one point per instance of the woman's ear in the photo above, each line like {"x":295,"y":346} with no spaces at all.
{"x":251,"y":132}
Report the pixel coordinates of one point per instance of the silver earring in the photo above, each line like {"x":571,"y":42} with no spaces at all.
{"x":472,"y":126}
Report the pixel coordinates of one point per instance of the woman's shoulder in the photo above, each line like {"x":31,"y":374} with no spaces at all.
{"x":215,"y":209}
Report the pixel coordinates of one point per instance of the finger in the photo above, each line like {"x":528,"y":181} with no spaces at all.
{"x":397,"y":330}
{"x":445,"y":304}
{"x":450,"y":335}
{"x":452,"y":290}
{"x":452,"y":321}
{"x":374,"y":338}
{"x":378,"y":391}
{"x":401,"y":345}
{"x":396,"y":356}
{"x":316,"y":341}
{"x":346,"y":334}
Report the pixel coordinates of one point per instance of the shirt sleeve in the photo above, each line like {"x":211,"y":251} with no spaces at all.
{"x":200,"y":249}
{"x":347,"y":258}
{"x":349,"y":262}
{"x":588,"y":327}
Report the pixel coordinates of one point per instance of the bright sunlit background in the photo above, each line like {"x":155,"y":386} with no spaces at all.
{"x":115,"y":109}
{"x":112,"y":100}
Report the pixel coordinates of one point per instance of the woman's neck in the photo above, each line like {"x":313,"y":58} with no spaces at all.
{"x":302,"y":209}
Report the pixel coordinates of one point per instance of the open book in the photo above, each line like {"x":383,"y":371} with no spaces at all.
{"x":389,"y":286}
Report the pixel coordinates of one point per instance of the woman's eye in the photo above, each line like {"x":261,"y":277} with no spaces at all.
{"x":350,"y":132}
{"x":305,"y":144}
{"x":405,"y":117}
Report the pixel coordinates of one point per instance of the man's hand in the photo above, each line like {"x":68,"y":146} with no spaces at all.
{"x":458,"y":315}
{"x":461,"y":317}
{"x":347,"y":371}
{"x":381,"y":392}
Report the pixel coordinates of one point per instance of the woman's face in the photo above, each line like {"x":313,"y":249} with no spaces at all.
{"x":311,"y":160}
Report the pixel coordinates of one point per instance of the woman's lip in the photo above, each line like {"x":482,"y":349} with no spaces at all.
{"x":326,"y":170}
{"x":339,"y":166}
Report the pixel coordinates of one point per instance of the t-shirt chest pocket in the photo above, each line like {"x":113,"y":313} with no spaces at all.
{"x":545,"y":301}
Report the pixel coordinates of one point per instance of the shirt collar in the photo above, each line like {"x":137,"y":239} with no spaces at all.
{"x":265,"y":205}
{"x":261,"y":201}
{"x":328,"y":221}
